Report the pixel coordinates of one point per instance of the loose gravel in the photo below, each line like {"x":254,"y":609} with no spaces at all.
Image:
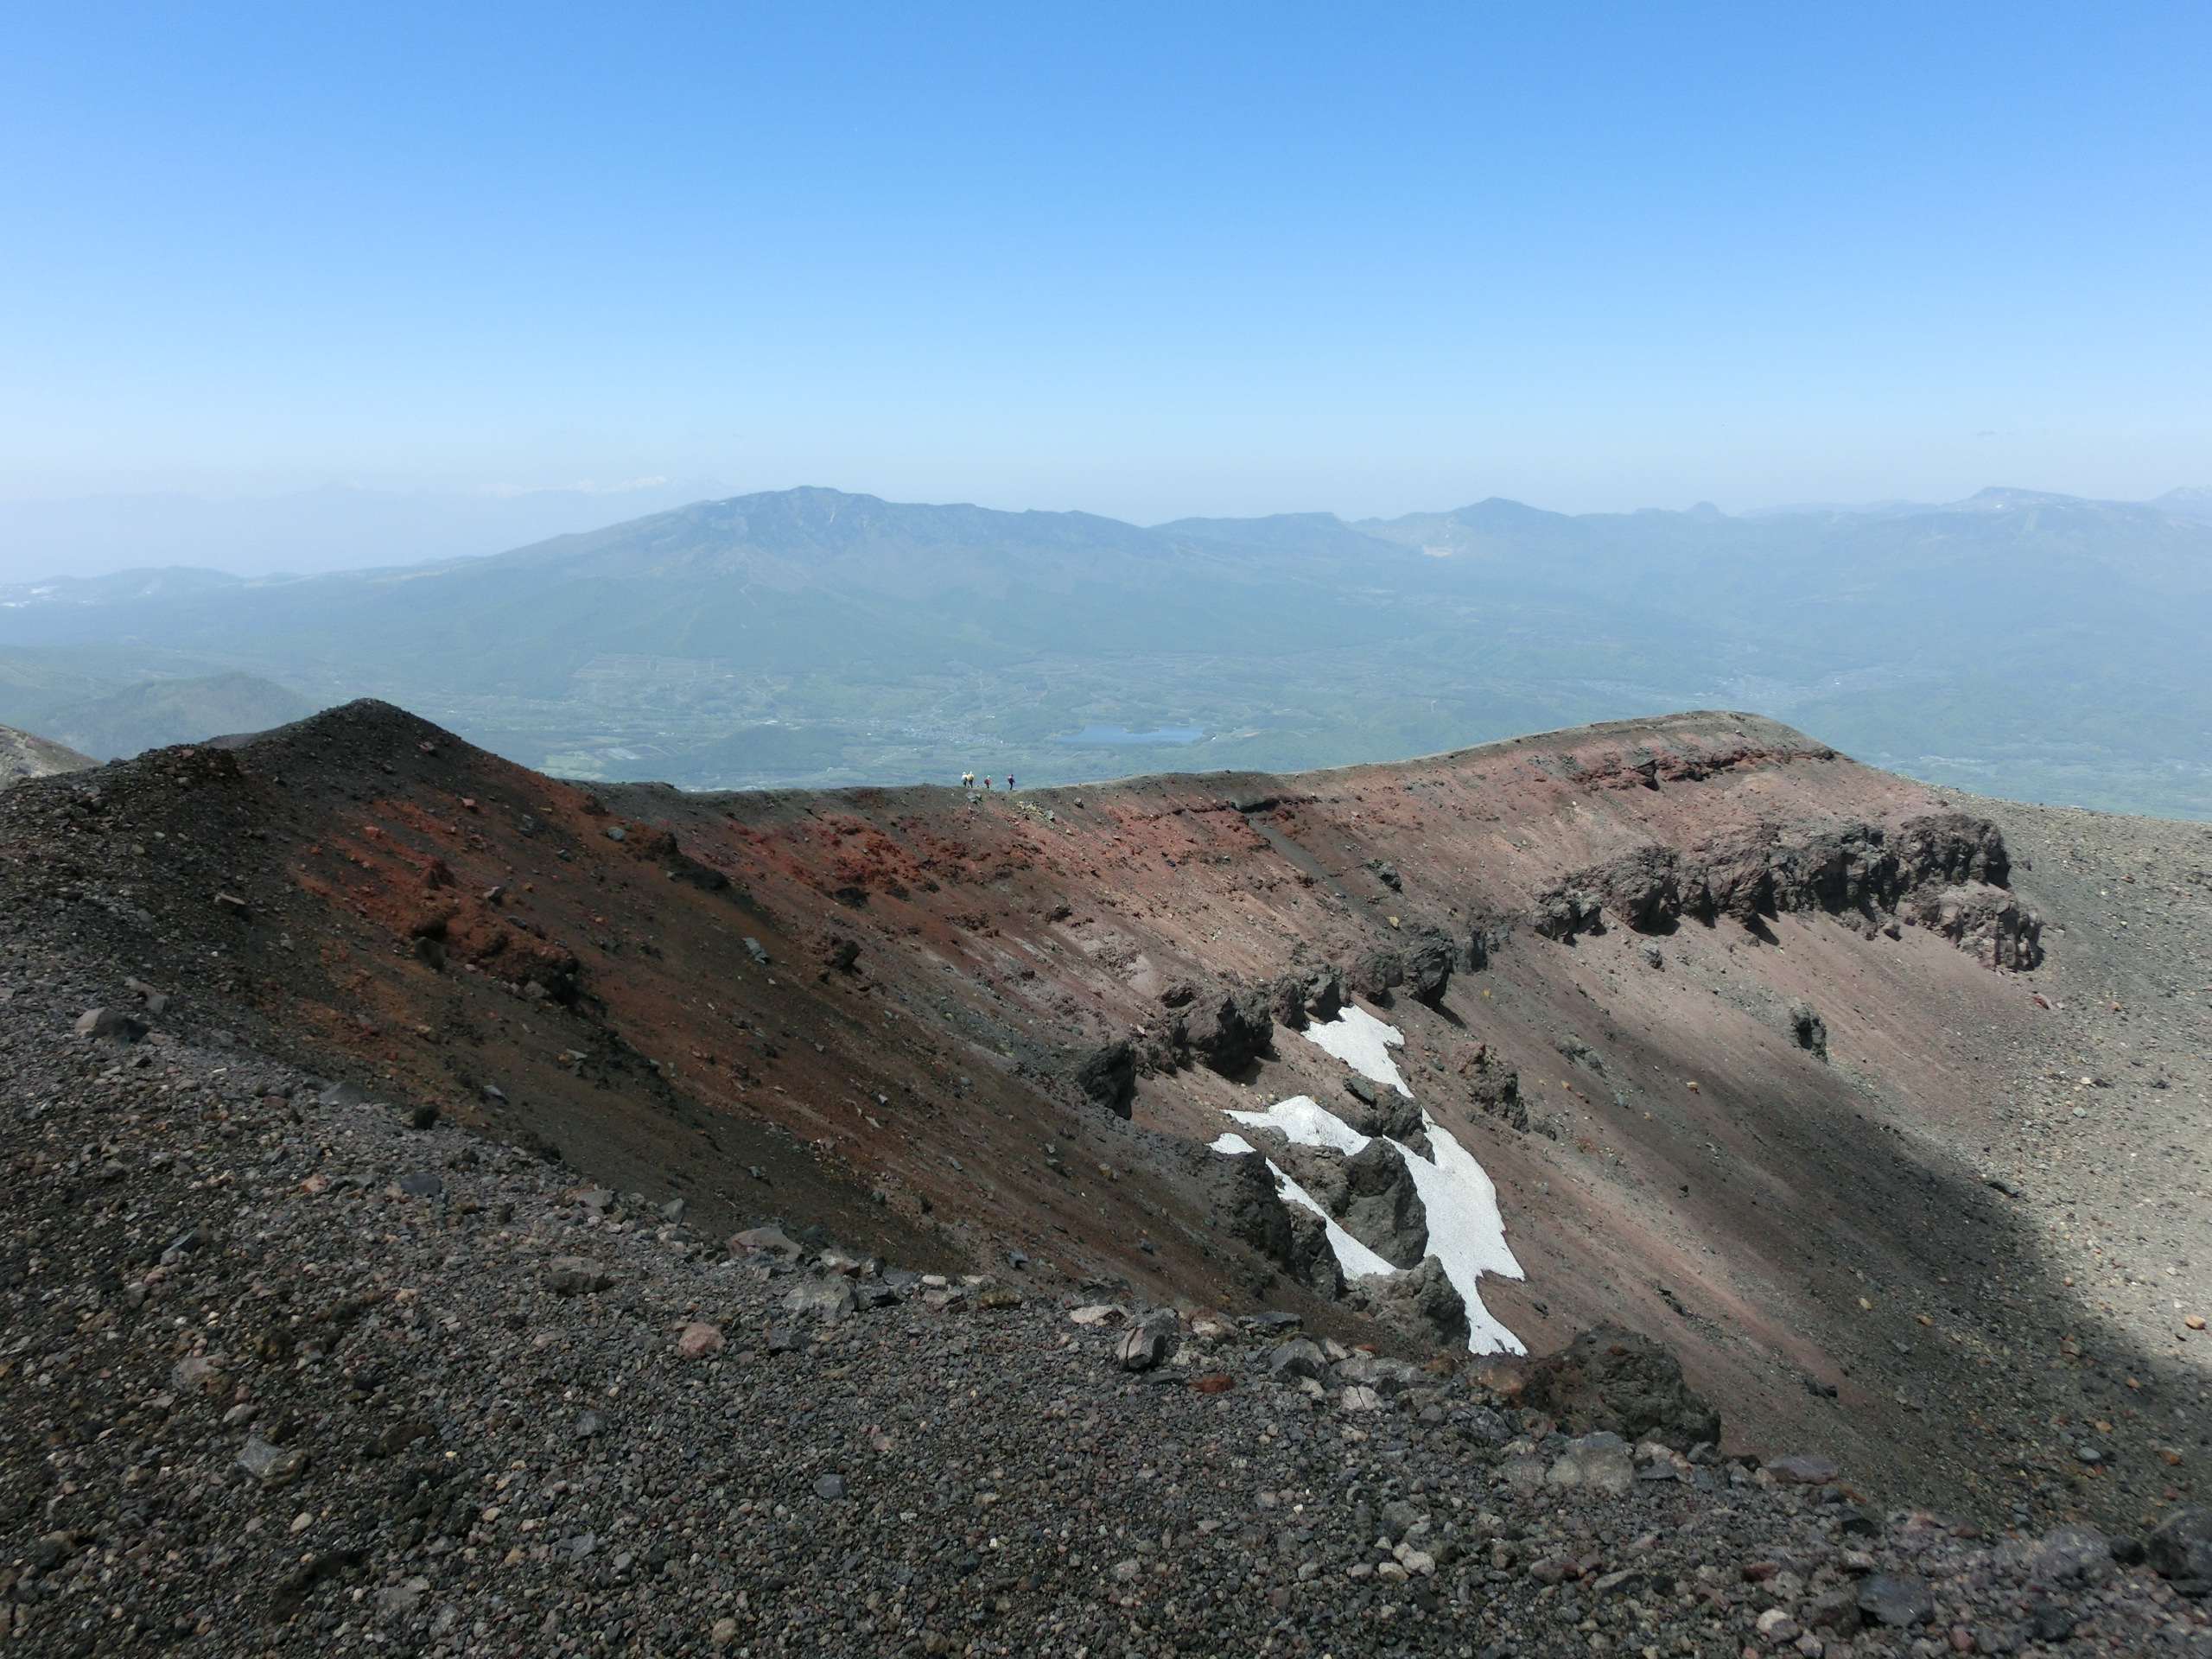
{"x":290,"y":1370}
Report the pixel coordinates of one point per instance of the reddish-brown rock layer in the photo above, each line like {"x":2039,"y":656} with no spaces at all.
{"x":906,"y":1068}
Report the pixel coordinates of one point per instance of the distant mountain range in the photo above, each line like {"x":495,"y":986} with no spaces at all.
{"x":2017,"y":642}
{"x":2186,"y":503}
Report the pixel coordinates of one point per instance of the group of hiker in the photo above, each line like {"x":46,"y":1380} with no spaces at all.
{"x":968,"y":781}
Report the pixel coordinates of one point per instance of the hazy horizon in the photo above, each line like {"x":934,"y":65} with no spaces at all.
{"x":1149,"y":262}
{"x":341,"y":527}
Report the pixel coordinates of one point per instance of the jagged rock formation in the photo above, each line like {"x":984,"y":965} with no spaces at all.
{"x":1384,"y":1111}
{"x":1370,"y":1192}
{"x":1305,"y":995}
{"x":1946,"y":870}
{"x":1227,"y":1029}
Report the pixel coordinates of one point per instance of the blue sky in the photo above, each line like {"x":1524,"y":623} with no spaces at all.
{"x":1147,"y":261}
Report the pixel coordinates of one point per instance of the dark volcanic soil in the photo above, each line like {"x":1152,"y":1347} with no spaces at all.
{"x":877,"y":1016}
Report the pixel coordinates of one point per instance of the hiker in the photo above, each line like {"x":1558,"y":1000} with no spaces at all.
{"x":987,"y":783}
{"x":1009,"y":781}
{"x":967,"y":780}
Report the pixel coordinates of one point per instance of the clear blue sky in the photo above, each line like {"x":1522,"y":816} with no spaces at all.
{"x":1143,"y":260}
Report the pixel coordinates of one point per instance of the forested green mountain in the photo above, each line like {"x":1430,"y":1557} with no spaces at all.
{"x":153,"y":714}
{"x":2022,"y":644}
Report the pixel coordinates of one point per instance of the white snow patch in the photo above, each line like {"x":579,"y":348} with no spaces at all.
{"x":1305,"y":1124}
{"x":1354,"y":1258}
{"x":1466,"y":1232}
{"x":1362,"y":1042}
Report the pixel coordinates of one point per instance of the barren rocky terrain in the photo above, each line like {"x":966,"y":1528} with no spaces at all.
{"x":25,"y":755}
{"x":417,"y":1158}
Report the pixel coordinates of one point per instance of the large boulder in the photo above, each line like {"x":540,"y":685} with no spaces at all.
{"x":1227,"y":1030}
{"x":1307,"y":993}
{"x":2181,"y":1547}
{"x":1373,"y":1110}
{"x":1422,"y":965}
{"x":828,"y":1298}
{"x":1619,"y":1381}
{"x":110,"y":1027}
{"x":1376,"y":972}
{"x":1429,"y":959}
{"x":1108,"y":1076}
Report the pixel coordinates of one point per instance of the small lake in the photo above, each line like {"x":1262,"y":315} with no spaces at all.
{"x":1122,"y":734}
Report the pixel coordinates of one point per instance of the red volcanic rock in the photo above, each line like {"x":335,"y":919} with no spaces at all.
{"x":945,"y":1033}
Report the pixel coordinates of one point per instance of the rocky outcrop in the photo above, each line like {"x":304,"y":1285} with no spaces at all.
{"x":1309,"y":1257}
{"x":1381,"y":1207}
{"x":1952,"y":847}
{"x":660,"y":848}
{"x":1316,"y":992}
{"x":1108,"y":1076}
{"x":1642,"y":887}
{"x":1246,"y":1206}
{"x":1370,"y":1193}
{"x":1420,"y":1305}
{"x":1227,"y":1030}
{"x":1810,"y":1031}
{"x":1225,"y":1027}
{"x":1492,"y":1086}
{"x":1384,"y":1111}
{"x":1610,"y":1381}
{"x":1988,"y":923}
{"x":1569,"y":909}
{"x":1318,"y":1170}
{"x":1767,"y":870}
